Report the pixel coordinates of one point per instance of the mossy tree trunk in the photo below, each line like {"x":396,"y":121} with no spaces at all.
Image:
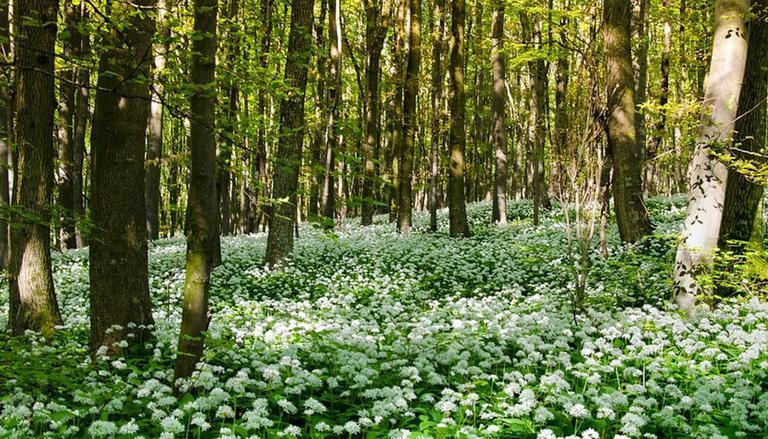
{"x":32,"y":297}
{"x":202,"y":210}
{"x":6,"y":120}
{"x":631,"y":215}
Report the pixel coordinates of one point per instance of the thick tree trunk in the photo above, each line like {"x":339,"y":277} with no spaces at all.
{"x":286,"y":176}
{"x":707,"y":175}
{"x":498,"y":101}
{"x":631,"y":215}
{"x":155,"y":129}
{"x":6,"y":119}
{"x":457,"y":213}
{"x":118,"y":258}
{"x":375,"y":34}
{"x":334,"y":101}
{"x":202,"y":212}
{"x":743,"y":196}
{"x":81,"y":117}
{"x":410,"y":118}
{"x":32,"y":297}
{"x":437,"y":109}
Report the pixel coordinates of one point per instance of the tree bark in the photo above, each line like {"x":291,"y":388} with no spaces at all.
{"x":375,"y":35}
{"x":318,"y":138}
{"x":202,"y":210}
{"x":66,"y":232}
{"x":410,"y":119}
{"x":396,"y":122}
{"x":457,"y":213}
{"x":640,"y":66}
{"x":743,"y":196}
{"x":6,"y":119}
{"x":437,"y":109}
{"x":655,"y":143}
{"x":118,"y":256}
{"x":631,"y":215}
{"x":259,"y":182}
{"x":81,"y":117}
{"x":498,"y":101}
{"x":32,"y":297}
{"x":286,"y":176}
{"x":155,"y":130}
{"x":707,"y":175}
{"x":334,"y":101}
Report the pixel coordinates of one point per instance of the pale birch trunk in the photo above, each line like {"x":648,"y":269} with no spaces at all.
{"x":707,"y":175}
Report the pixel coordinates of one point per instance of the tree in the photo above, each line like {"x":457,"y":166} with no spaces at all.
{"x":655,"y":143}
{"x":6,"y":120}
{"x":438,"y":36}
{"x":334,"y":101}
{"x":66,"y":139}
{"x":32,"y":297}
{"x":405,"y":210}
{"x":118,"y":250}
{"x":376,"y":22}
{"x":396,"y":123}
{"x":707,"y":174}
{"x":202,"y":211}
{"x":499,"y":127}
{"x":631,"y":215}
{"x":155,"y":130}
{"x":457,"y":213}
{"x":286,"y":174}
{"x":741,"y":211}
{"x":81,"y":117}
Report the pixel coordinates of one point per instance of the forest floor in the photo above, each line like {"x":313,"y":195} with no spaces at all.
{"x":367,"y":332}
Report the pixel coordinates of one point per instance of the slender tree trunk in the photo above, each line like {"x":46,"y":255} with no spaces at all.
{"x":315,"y":195}
{"x":232,"y":91}
{"x":32,"y":297}
{"x":375,"y":34}
{"x":562,"y":76}
{"x":498,"y":101}
{"x":6,"y":119}
{"x":410,"y":118}
{"x":707,"y":175}
{"x":66,"y":232}
{"x":261,"y":180}
{"x":457,"y":213}
{"x":743,"y":197}
{"x":640,"y":68}
{"x":81,"y":117}
{"x":398,"y":81}
{"x":286,"y":176}
{"x":202,"y":212}
{"x":334,"y":101}
{"x":155,"y":129}
{"x":655,"y":143}
{"x":118,"y":257}
{"x":437,"y":96}
{"x":631,"y":215}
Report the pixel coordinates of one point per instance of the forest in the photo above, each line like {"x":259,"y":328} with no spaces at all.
{"x":415,"y":219}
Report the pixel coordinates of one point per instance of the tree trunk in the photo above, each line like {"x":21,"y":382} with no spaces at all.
{"x":334,"y":100}
{"x":318,"y":138}
{"x":155,"y":129}
{"x":396,"y":122}
{"x":410,"y":118}
{"x":631,"y":215}
{"x":741,"y":219}
{"x":6,"y":119}
{"x":202,"y":212}
{"x":261,"y":180}
{"x":437,"y":110}
{"x":82,"y":103}
{"x":707,"y":175}
{"x":655,"y":143}
{"x":375,"y":34}
{"x":640,"y":68}
{"x":32,"y":298}
{"x":562,"y":76}
{"x":66,"y":235}
{"x":118,"y":258}
{"x":498,"y":101}
{"x":457,"y":213}
{"x":286,"y":175}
